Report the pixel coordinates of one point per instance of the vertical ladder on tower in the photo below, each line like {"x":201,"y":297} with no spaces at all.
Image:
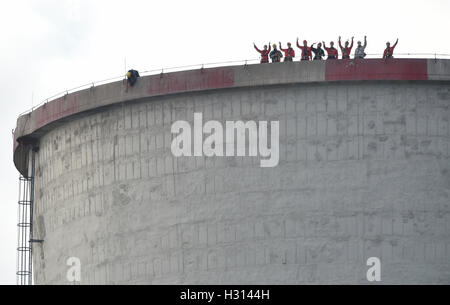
{"x":25,"y":239}
{"x":23,"y":232}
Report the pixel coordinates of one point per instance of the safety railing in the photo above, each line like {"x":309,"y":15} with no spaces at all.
{"x":214,"y":65}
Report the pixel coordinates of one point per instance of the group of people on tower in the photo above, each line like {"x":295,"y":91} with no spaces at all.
{"x":307,"y":51}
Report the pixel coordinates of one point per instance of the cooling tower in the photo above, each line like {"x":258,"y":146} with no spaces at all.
{"x":363,"y":172}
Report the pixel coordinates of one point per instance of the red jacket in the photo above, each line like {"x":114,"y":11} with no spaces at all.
{"x":332,"y":52}
{"x":264,"y":54}
{"x":306,"y":52}
{"x":390,"y":50}
{"x":346,"y":51}
{"x":289,"y":52}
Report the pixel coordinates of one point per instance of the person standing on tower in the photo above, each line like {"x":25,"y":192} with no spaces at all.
{"x":389,"y":51}
{"x":264,"y":53}
{"x":306,"y":51}
{"x":318,"y":52}
{"x":332,"y":51}
{"x":289,"y":53}
{"x":359,"y":51}
{"x":346,"y":50}
{"x":275,"y":55}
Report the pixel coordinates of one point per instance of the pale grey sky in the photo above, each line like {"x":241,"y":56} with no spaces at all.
{"x":48,"y":46}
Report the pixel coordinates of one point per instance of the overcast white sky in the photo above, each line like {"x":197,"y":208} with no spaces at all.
{"x":48,"y":46}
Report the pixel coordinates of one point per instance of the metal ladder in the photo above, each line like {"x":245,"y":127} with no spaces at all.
{"x":24,"y":268}
{"x":24,"y":261}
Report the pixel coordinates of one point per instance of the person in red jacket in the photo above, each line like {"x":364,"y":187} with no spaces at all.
{"x":346,"y":50}
{"x":289,"y":53}
{"x":389,"y":51}
{"x":264,"y":53}
{"x":306,"y":51}
{"x":332,"y":51}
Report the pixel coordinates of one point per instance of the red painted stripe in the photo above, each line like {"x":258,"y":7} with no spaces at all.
{"x":376,"y":69}
{"x":190,"y":80}
{"x":57,"y":109}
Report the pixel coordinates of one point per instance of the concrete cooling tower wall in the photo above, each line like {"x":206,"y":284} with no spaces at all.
{"x":363,"y":172}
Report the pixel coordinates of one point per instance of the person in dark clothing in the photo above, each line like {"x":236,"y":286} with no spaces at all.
{"x":318,"y":52}
{"x":275,"y":55}
{"x":389,"y":51}
{"x":132,"y":76}
{"x":332,"y":51}
{"x":264,"y":53}
{"x":289,"y":53}
{"x":347,"y":49}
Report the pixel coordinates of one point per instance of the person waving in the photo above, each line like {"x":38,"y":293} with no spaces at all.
{"x":347,"y":49}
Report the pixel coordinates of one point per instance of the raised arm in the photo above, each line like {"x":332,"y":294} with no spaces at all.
{"x":351,"y":46}
{"x":395,"y":44}
{"x":256,"y":48}
{"x":281,"y":48}
{"x":365,"y":41}
{"x":298,"y":46}
{"x":324,"y":45}
{"x":340,"y":45}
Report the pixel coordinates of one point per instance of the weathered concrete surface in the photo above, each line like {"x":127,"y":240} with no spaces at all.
{"x":31,"y":126}
{"x":364,"y":171}
{"x":438,"y":69}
